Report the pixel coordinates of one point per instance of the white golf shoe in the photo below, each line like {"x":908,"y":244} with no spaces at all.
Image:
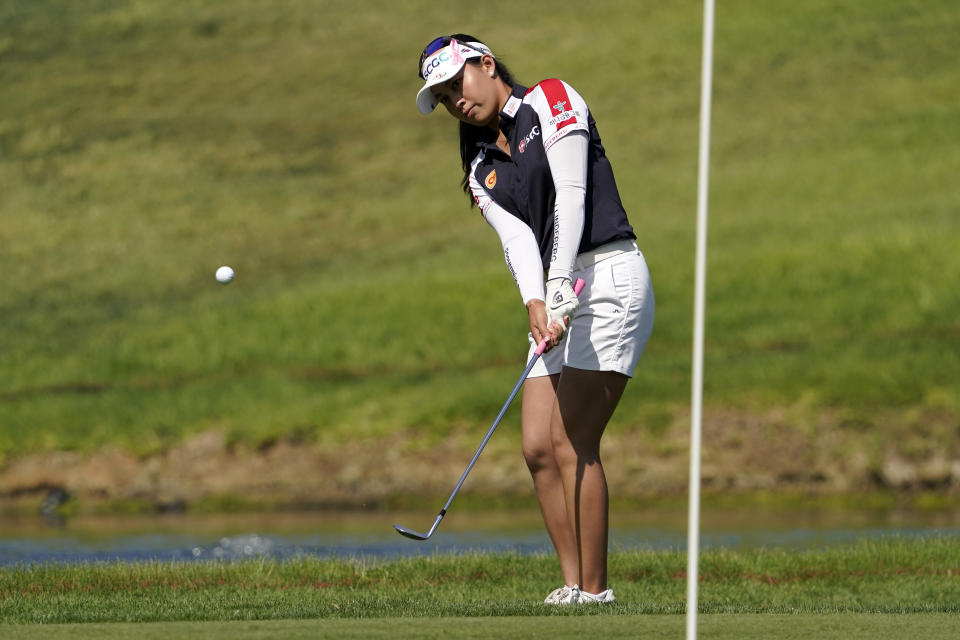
{"x":564,"y":595}
{"x":604,"y":597}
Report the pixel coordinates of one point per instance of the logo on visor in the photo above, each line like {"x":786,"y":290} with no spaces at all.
{"x":456,"y":54}
{"x":442,"y":57}
{"x":491,"y":180}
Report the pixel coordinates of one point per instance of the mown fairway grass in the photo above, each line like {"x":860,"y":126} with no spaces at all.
{"x":880,"y":587}
{"x":142,"y":144}
{"x":712,"y":627}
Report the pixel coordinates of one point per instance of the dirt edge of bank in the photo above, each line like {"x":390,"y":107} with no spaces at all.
{"x":742,"y":452}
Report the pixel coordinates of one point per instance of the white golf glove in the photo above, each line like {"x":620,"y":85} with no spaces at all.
{"x":561,"y":302}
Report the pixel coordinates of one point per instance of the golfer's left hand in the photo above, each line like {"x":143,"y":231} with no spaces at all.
{"x":561,"y":304}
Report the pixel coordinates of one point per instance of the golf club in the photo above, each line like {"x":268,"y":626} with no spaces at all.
{"x":416,"y":535}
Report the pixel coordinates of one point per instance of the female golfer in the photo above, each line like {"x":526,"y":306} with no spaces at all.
{"x":534,"y":165}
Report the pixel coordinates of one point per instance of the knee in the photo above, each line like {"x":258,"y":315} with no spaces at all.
{"x":570,"y":451}
{"x":563,"y":450}
{"x":538,"y":456}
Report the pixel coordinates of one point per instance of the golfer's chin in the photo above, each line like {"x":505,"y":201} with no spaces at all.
{"x":476,"y":117}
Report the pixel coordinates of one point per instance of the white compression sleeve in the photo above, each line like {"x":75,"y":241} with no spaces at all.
{"x":568,"y":164}
{"x":520,"y":250}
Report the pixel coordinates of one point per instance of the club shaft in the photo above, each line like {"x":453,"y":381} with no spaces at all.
{"x":493,"y":428}
{"x":577,"y":288}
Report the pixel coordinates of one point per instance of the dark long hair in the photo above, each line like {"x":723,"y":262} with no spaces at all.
{"x":471,"y":135}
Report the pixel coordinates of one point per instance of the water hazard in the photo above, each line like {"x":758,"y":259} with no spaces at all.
{"x":185,"y":537}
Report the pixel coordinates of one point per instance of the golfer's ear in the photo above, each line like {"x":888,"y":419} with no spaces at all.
{"x":488,"y":64}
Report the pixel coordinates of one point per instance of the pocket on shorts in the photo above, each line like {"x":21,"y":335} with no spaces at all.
{"x":632,"y":282}
{"x":604,"y":292}
{"x":613,"y":324}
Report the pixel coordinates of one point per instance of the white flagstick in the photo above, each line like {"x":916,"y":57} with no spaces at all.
{"x":693,"y":526}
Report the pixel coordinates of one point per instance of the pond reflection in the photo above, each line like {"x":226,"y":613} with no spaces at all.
{"x":188,"y":537}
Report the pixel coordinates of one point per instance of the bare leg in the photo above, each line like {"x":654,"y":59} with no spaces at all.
{"x":585,"y":402}
{"x":539,"y":399}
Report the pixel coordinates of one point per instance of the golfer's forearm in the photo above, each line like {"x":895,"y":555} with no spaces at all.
{"x":568,"y":164}
{"x":520,"y":251}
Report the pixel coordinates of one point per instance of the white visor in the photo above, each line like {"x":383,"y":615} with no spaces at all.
{"x":443,"y":65}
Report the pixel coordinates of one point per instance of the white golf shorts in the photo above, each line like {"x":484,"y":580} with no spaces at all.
{"x":614,"y":321}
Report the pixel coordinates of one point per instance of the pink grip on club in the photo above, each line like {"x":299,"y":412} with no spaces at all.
{"x":577,"y":288}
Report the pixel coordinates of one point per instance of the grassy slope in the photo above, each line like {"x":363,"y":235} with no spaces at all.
{"x":142,"y":145}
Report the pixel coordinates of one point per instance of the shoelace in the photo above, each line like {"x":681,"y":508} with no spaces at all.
{"x":558,"y":595}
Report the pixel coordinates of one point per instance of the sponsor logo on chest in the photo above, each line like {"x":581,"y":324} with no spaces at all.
{"x":527,"y":139}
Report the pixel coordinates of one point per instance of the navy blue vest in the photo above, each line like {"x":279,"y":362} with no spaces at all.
{"x":521,"y":183}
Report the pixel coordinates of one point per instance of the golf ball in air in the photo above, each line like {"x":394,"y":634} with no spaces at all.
{"x":224,"y":274}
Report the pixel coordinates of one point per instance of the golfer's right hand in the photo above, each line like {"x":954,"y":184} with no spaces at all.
{"x":540,"y":326}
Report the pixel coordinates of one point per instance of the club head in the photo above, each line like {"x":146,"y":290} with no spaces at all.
{"x":409,"y":533}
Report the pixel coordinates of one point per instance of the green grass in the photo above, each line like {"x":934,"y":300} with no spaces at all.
{"x":885,"y":577}
{"x":143,"y":144}
{"x":712,"y":627}
{"x":882,"y":589}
